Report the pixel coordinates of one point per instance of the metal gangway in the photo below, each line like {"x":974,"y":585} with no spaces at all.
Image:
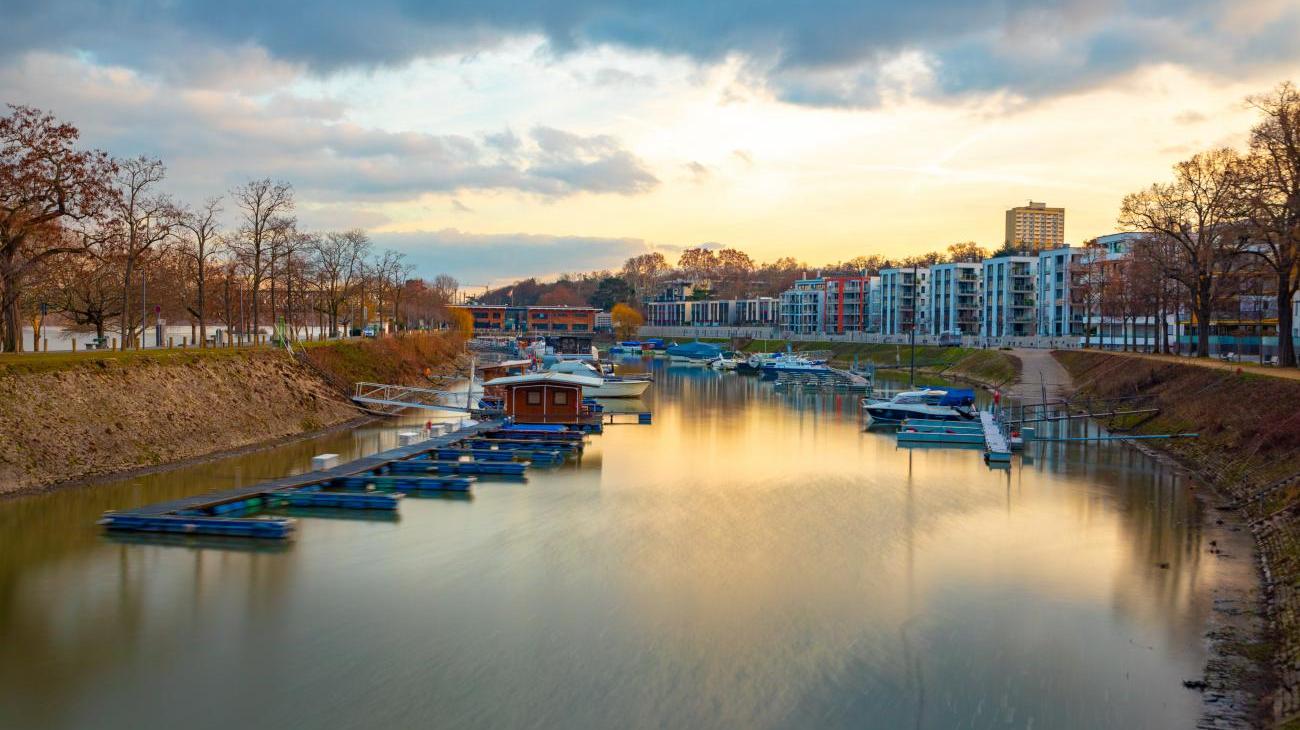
{"x":389,"y":400}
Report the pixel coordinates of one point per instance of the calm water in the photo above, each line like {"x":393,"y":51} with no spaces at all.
{"x":752,"y":560}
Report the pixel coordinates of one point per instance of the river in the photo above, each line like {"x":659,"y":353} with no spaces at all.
{"x":753,"y":559}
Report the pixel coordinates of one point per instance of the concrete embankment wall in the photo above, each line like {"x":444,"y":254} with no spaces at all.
{"x":70,"y":417}
{"x":1249,"y":450}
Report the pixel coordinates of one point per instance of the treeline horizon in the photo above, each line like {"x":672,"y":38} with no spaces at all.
{"x":96,"y":243}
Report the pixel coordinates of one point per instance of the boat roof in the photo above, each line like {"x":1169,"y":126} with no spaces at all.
{"x":546,"y":378}
{"x":504,"y":364}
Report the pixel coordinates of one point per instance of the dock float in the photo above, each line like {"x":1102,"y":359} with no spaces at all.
{"x":425,"y":466}
{"x":340,"y":500}
{"x":268,"y":527}
{"x":924,"y":436}
{"x":485,"y":443}
{"x":405,"y":483}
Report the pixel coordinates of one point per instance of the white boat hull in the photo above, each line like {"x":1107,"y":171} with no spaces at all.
{"x":617,"y":389}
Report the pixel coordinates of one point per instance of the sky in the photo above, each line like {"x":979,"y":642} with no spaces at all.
{"x":499,"y":139}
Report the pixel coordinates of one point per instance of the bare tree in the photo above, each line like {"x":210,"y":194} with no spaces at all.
{"x":200,"y":242}
{"x":1197,"y":214}
{"x":263,"y":205}
{"x":338,"y":263}
{"x":141,"y":220}
{"x":1270,"y":187}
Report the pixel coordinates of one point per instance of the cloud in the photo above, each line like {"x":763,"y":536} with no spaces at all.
{"x":834,"y":52}
{"x":217,"y":138}
{"x":698,"y":172}
{"x":475,"y":258}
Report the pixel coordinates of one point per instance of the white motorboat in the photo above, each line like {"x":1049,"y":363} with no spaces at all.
{"x":724,"y":361}
{"x":938,"y":404}
{"x":611,"y":386}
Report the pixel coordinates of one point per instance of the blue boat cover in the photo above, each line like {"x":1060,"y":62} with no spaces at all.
{"x":956,"y":396}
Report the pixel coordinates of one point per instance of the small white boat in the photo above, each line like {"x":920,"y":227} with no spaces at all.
{"x":611,"y":386}
{"x":724,"y":362}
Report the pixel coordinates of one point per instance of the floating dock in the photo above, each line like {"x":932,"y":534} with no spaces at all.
{"x":340,"y":487}
{"x":997,"y":447}
{"x":986,"y":432}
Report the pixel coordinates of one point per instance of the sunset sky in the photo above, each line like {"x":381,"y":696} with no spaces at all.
{"x":495,"y":139}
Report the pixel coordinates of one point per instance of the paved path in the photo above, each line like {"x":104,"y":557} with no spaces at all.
{"x":1038,"y":369}
{"x":1209,"y":362}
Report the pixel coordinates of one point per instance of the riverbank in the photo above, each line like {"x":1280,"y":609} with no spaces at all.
{"x":72,"y":418}
{"x":1249,"y":453}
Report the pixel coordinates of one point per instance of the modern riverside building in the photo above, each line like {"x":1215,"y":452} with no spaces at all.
{"x":1063,"y":291}
{"x":953,"y":301}
{"x":873,"y":305}
{"x":1008,"y":289}
{"x":903,"y":300}
{"x":1035,"y":227}
{"x":846,"y":305}
{"x":760,"y":312}
{"x":533,"y":318}
{"x":802,"y":307}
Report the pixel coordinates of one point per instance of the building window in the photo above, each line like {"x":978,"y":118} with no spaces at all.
{"x":534,"y":397}
{"x":561,"y":398}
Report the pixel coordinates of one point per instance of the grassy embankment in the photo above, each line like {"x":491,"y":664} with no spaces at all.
{"x":1249,"y":449}
{"x":993,"y":368}
{"x":78,"y":416}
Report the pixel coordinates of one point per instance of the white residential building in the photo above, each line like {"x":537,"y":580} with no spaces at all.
{"x":874,"y":306}
{"x":953,"y":301}
{"x":1062,"y":281}
{"x":903,"y":300}
{"x":1008,"y":289}
{"x":802,"y":307}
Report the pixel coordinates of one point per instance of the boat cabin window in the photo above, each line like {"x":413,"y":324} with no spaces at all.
{"x":561,"y":398}
{"x":534,"y":397}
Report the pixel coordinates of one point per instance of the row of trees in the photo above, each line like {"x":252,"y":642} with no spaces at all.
{"x":1225,"y":222}
{"x":730,"y":272}
{"x":97,"y":241}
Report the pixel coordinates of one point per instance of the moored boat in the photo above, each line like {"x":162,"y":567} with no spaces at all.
{"x":935,"y":404}
{"x":694,"y":352}
{"x":611,"y":386}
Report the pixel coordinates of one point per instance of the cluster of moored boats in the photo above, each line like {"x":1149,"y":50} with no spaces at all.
{"x":931,"y":403}
{"x":768,"y":364}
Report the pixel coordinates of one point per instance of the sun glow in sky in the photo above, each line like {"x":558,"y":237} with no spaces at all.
{"x":500,"y":142}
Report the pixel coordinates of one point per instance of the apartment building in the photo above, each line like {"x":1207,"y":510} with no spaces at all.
{"x":953,"y":301}
{"x":903,"y":300}
{"x":1035,"y":227}
{"x":1062,"y":291}
{"x":803,"y":307}
{"x":1008,"y":290}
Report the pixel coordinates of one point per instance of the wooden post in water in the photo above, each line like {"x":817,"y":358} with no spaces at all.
{"x":45,"y":344}
{"x":169,"y":342}
{"x":74,"y":344}
{"x":114,"y":343}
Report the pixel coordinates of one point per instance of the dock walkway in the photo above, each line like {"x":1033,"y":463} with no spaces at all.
{"x":996,"y":446}
{"x":298,"y":481}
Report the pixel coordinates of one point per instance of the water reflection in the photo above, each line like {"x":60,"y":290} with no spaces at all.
{"x":752,"y":559}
